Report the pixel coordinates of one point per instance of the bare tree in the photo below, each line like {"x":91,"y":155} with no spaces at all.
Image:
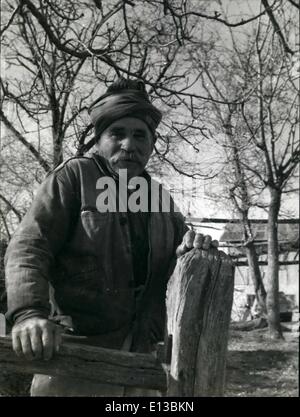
{"x":278,"y":118}
{"x":56,"y":52}
{"x":259,"y":134}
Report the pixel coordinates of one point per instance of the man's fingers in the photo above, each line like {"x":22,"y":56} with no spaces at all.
{"x":181,"y":249}
{"x":206,"y":242}
{"x":16,"y":343}
{"x":36,"y":343}
{"x":57,"y":338}
{"x":36,"y":338}
{"x":215,"y":243}
{"x":198,"y":241}
{"x":48,"y":343}
{"x":26,"y":346}
{"x":22,"y":344}
{"x":187,"y":243}
{"x":188,"y":239}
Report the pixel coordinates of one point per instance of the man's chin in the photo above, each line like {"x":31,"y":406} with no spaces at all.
{"x":132,"y":168}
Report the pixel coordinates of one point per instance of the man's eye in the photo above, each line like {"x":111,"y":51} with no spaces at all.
{"x":139,"y":136}
{"x":117,"y":135}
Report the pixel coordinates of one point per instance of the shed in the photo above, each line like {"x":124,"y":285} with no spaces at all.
{"x":288,"y":236}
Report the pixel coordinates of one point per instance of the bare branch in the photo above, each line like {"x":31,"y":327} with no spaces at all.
{"x":276,"y":26}
{"x":293,"y":2}
{"x":43,"y":163}
{"x":5,"y":224}
{"x":11,"y":207}
{"x":215,"y":17}
{"x":10,"y":20}
{"x":88,"y":52}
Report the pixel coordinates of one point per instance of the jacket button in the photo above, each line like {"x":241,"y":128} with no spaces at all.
{"x":123,"y":221}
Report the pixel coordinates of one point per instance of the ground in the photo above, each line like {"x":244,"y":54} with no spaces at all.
{"x":260,"y":367}
{"x":257,"y":367}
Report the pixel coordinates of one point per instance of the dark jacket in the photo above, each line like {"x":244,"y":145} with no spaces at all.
{"x":86,"y":256}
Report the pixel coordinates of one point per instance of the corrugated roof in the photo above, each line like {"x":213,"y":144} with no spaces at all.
{"x":233,"y":233}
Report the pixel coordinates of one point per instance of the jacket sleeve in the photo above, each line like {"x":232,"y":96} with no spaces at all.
{"x":39,"y":237}
{"x":180,"y":227}
{"x":158,"y":312}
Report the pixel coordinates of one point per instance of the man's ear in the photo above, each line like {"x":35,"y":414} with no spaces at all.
{"x":97,"y":140}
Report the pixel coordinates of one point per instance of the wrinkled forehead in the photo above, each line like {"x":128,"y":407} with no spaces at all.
{"x":129,"y":123}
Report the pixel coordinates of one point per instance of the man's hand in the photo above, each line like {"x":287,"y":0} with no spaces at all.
{"x":195,"y":240}
{"x":36,"y":338}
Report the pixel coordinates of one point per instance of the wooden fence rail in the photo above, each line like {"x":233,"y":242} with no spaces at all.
{"x":93,"y":363}
{"x":199,"y":301}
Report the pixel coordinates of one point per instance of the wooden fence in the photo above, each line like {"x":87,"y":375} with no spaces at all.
{"x":191,"y":361}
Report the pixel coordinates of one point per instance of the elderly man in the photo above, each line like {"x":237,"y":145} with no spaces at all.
{"x":108,"y":270}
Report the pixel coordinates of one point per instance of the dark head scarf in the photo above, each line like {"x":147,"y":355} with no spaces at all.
{"x":124,"y":98}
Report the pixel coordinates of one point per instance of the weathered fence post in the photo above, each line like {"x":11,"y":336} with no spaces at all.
{"x":199,"y":301}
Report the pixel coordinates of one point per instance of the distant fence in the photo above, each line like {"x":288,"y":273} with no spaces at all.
{"x":236,"y":221}
{"x":203,"y":221}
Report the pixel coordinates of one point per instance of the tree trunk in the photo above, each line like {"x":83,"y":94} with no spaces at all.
{"x":273,"y":267}
{"x":56,"y":131}
{"x":259,"y":289}
{"x":57,"y":144}
{"x":57,"y":153}
{"x":242,"y":205}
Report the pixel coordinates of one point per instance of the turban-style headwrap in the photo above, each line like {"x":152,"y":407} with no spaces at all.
{"x":124,"y":98}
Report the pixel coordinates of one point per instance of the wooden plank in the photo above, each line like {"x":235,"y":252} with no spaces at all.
{"x":281,"y":263}
{"x":239,"y":244}
{"x":93,"y":363}
{"x":199,"y":302}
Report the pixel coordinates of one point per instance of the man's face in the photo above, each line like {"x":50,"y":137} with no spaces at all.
{"x":126,"y":144}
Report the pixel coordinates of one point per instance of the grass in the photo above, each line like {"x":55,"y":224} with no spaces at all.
{"x":260,"y":367}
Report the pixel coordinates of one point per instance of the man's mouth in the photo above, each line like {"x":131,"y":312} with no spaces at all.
{"x":132,"y":161}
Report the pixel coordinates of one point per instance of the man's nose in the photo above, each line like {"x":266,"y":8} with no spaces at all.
{"x":128,"y":143}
